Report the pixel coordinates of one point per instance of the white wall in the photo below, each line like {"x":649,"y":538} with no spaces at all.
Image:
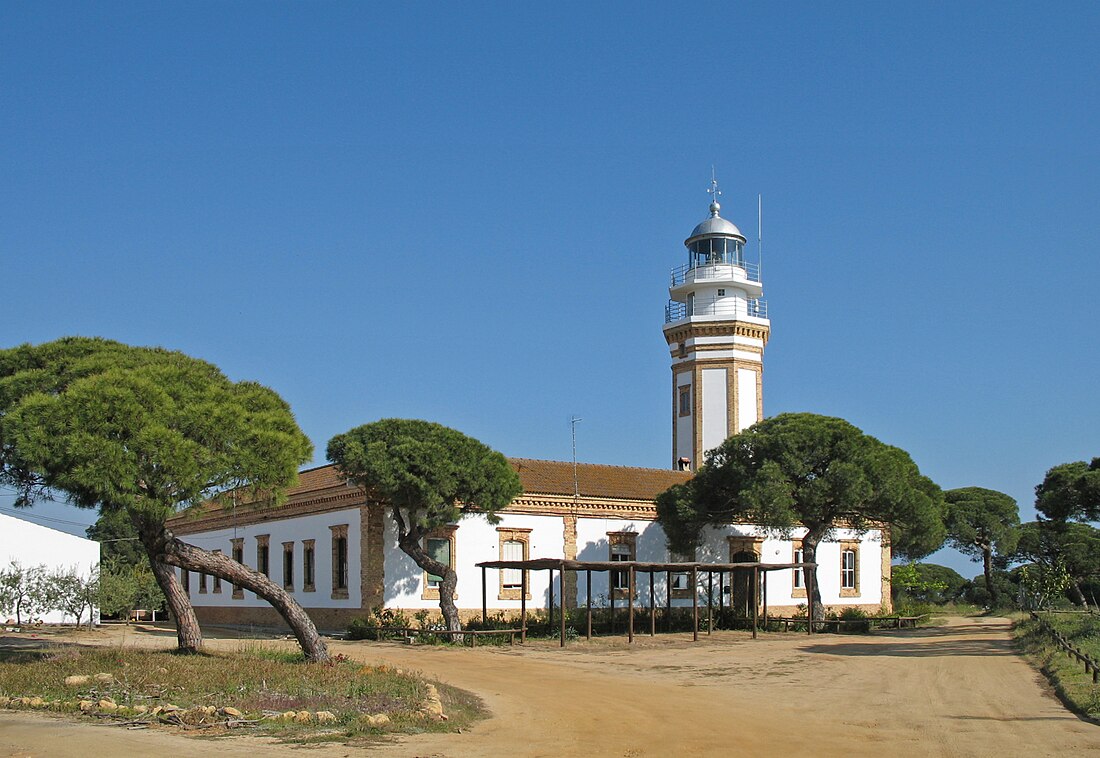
{"x":746,"y":398}
{"x":296,"y":529}
{"x":715,"y":408}
{"x":476,"y":541}
{"x":34,"y":545}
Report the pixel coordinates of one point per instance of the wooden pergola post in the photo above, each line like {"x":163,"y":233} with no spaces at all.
{"x":630,"y":605}
{"x":755,"y":597}
{"x":668,"y":601}
{"x":764,"y":602}
{"x":484,"y":600}
{"x":652,"y":605}
{"x":561,"y":599}
{"x":611,"y":597}
{"x":523,"y":607}
{"x":710,"y":602}
{"x":550,"y":607}
{"x":721,"y":592}
{"x":694,"y":604}
{"x":808,"y":576}
{"x":588,"y":599}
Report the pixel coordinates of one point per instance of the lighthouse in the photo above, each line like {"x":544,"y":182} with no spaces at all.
{"x":716,"y":326}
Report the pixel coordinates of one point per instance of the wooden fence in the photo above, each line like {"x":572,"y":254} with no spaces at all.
{"x":409,"y":632}
{"x":870,"y":622}
{"x":1091,"y":666}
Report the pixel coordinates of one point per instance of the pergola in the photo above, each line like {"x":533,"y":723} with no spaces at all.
{"x":633,"y":568}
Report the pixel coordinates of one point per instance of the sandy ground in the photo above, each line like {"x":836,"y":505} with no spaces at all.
{"x":955,"y":690}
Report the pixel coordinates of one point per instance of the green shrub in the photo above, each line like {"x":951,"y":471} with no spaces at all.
{"x":372,"y":626}
{"x":855,"y":615}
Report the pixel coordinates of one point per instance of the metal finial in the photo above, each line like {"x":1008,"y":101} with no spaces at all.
{"x":714,"y":192}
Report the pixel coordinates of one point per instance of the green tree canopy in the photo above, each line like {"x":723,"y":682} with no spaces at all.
{"x":118,"y":539}
{"x":430,"y":475}
{"x":801,"y":469}
{"x":927,"y":582}
{"x":144,"y":432}
{"x":979,"y":523}
{"x":1070,"y":491}
{"x":1053,"y":545}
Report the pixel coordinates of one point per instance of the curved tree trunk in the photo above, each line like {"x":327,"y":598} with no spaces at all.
{"x":411,"y":543}
{"x":188,"y":632}
{"x":1076,"y":595}
{"x":809,"y":555}
{"x":164,"y":547}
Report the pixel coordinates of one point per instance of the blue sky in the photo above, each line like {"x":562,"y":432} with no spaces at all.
{"x":467,"y":212}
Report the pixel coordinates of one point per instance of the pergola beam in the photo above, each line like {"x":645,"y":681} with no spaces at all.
{"x":632,"y":568}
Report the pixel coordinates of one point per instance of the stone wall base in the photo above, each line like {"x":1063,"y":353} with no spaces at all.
{"x":327,"y":620}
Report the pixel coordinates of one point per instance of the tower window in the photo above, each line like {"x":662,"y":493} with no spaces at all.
{"x":721,"y":293}
{"x":685,"y":400}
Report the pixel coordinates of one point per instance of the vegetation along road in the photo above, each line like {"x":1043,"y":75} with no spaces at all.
{"x":952,"y":690}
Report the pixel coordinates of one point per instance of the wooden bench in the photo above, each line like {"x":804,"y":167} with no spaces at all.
{"x":896,"y":622}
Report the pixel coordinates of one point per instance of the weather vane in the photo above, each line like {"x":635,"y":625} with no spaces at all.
{"x":714,"y":192}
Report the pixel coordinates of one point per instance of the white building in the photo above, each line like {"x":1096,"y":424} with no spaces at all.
{"x":32,"y":545}
{"x":336,"y":550}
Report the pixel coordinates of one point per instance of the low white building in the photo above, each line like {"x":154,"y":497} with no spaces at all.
{"x":32,"y":545}
{"x":335,"y":550}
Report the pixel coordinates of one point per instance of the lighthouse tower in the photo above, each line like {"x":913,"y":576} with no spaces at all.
{"x":716,"y":325}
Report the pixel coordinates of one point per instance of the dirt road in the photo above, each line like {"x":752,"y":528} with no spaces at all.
{"x":956,"y":690}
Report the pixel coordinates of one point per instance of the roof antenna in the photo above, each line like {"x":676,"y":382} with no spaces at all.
{"x":576,"y":488}
{"x":760,"y":236}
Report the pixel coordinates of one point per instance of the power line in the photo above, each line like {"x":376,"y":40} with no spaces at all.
{"x":32,"y":516}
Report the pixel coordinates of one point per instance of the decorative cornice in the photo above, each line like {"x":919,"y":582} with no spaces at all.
{"x":244,"y":515}
{"x":529,"y":504}
{"x":718,"y":329}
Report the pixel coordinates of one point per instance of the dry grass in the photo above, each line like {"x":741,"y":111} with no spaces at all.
{"x":1066,"y":674}
{"x":259,"y":681}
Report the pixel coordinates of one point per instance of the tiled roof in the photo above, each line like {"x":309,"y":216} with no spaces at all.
{"x":546,"y":478}
{"x":595,"y":480}
{"x":537,"y":477}
{"x":316,"y":478}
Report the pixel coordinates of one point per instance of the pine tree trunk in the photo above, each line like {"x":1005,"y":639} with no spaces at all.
{"x":987,"y":565}
{"x":809,"y":555}
{"x":447,"y":602}
{"x":179,"y":553}
{"x":163,"y":547}
{"x":188,"y":632}
{"x":412,"y":544}
{"x":1076,"y":595}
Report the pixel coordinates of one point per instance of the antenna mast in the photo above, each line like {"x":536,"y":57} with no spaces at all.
{"x":760,"y":236}
{"x":576,"y":487}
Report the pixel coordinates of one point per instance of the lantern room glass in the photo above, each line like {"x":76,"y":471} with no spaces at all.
{"x":715,"y":250}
